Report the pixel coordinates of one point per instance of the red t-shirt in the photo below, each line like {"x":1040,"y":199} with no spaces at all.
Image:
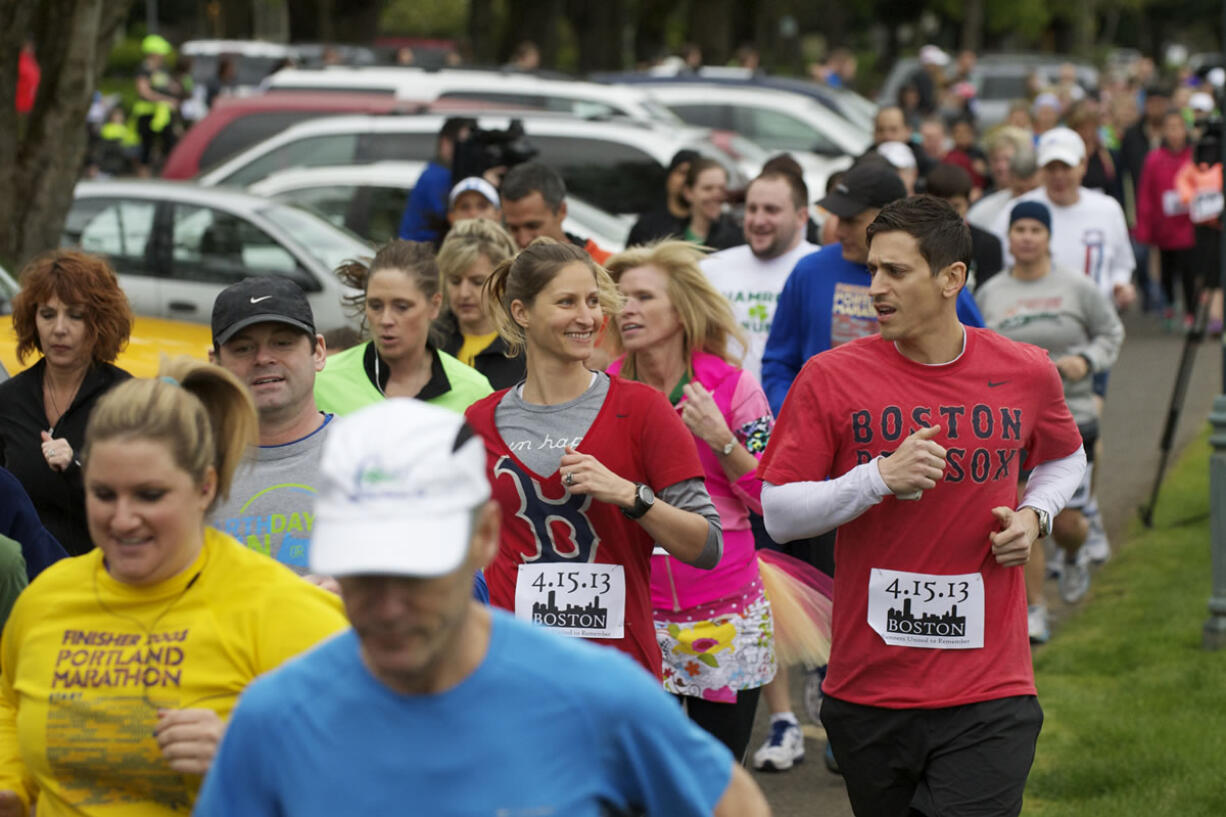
{"x":916,"y":579}
{"x":636,"y":435}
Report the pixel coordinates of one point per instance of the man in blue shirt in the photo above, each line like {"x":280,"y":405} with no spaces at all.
{"x":432,"y":702}
{"x":426,"y":210}
{"x":825,"y":301}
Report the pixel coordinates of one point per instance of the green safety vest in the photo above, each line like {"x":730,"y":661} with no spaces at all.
{"x":343,"y":387}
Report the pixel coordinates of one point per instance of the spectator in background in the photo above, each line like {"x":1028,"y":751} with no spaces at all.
{"x":405,"y":56}
{"x":1145,"y":135}
{"x":28,"y":76}
{"x":1019,"y":116}
{"x":426,"y":209}
{"x":534,"y":205}
{"x":157,"y":100}
{"x":1014,"y":172}
{"x":706,"y":189}
{"x":1163,"y":221}
{"x":691,"y":56}
{"x":953,"y":184}
{"x":934,"y":140}
{"x":1102,"y":164}
{"x":908,"y":103}
{"x":967,"y":155}
{"x":670,"y":218}
{"x":224,"y":83}
{"x":929,"y":78}
{"x":525,"y":57}
{"x":1046,"y":110}
{"x":892,"y":125}
{"x":964,"y":68}
{"x":838,"y":70}
{"x":747,"y":57}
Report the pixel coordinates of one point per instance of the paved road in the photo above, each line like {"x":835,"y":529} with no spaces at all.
{"x":1140,"y":396}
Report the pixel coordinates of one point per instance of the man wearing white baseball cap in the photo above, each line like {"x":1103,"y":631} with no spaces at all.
{"x":433,"y":700}
{"x":1089,"y":232}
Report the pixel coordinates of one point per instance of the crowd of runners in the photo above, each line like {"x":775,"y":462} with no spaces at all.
{"x":540,"y":538}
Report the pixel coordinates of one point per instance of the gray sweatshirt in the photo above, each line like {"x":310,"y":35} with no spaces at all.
{"x":1062,"y":312}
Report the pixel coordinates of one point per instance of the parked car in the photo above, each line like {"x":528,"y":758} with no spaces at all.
{"x":176,"y":245}
{"x":773,"y":119}
{"x":587,"y":100}
{"x":237,"y":122}
{"x":619,"y":166}
{"x":151,"y":338}
{"x":999,"y":80}
{"x":253,"y":59}
{"x":369,"y":200}
{"x":846,"y":103}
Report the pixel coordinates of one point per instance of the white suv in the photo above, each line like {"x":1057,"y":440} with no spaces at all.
{"x":617,"y":166}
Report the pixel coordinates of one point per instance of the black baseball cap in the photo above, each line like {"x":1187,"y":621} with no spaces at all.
{"x":260,"y":300}
{"x":868,"y":184}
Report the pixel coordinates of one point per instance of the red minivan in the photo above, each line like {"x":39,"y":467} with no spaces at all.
{"x":237,"y":122}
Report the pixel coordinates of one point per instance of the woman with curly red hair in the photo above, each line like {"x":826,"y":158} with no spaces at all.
{"x":71,"y":311}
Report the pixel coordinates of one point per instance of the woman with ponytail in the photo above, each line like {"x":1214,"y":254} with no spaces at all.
{"x":399,"y":300}
{"x":589,"y":470}
{"x":121,"y":665}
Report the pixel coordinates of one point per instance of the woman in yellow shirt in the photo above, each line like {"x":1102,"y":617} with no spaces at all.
{"x":120,"y":666}
{"x":466,"y":330}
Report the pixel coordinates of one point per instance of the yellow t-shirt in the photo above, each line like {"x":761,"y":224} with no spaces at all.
{"x":473,"y":346}
{"x":87,"y":662}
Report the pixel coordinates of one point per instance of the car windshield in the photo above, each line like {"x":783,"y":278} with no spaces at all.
{"x":329,"y":244}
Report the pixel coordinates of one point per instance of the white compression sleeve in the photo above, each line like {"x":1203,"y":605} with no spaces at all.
{"x":796,"y":510}
{"x":1053,"y":483}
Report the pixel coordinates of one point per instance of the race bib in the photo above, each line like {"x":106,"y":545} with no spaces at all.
{"x":925,"y":610}
{"x":1205,"y":206}
{"x":580,"y":600}
{"x":1172,"y":204}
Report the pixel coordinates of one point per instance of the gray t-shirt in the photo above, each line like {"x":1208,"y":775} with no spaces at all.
{"x":272,"y":499}
{"x":539,"y":435}
{"x":1063,"y":312}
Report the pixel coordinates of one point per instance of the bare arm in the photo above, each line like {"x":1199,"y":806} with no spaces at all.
{"x":742,"y":798}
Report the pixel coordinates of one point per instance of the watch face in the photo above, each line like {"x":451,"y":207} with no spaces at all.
{"x":646,"y":495}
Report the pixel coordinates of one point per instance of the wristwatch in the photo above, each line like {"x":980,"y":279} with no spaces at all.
{"x":644,"y":498}
{"x":1044,"y":520}
{"x":728,"y":447}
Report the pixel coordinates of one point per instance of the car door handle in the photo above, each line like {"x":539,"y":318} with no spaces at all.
{"x":182,"y":306}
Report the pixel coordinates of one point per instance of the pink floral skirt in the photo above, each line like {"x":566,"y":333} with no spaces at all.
{"x":713,"y":650}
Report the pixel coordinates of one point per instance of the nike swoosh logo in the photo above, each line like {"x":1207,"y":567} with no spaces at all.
{"x":992,"y":385}
{"x":257,"y":300}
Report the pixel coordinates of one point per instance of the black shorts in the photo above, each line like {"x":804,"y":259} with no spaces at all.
{"x":962,"y":761}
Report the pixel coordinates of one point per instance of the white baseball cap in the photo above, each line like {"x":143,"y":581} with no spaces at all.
{"x":1061,"y":145}
{"x":1201,"y":102}
{"x":897,"y":154}
{"x":474,"y":184}
{"x":933,"y":55}
{"x":398,"y":486}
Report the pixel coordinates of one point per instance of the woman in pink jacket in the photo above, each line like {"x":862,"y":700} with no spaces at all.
{"x":714,"y":626}
{"x":1162,"y":216}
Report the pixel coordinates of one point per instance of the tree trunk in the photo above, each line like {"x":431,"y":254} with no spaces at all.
{"x":599,"y":27}
{"x":972,"y":25}
{"x":481,"y":36}
{"x":711,"y":28}
{"x":651,"y":30}
{"x":41,"y":158}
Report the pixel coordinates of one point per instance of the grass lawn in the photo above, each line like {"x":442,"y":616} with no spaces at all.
{"x":1135,"y":709}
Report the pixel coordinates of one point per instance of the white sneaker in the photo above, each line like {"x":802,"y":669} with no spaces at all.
{"x":784,"y":747}
{"x":1096,"y":548}
{"x":1074,"y":580}
{"x":1036,"y":620}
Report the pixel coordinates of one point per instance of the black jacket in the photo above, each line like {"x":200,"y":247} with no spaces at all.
{"x":656,"y":225}
{"x":59,"y":496}
{"x":492,"y":361}
{"x":725,"y":233}
{"x":19,"y":521}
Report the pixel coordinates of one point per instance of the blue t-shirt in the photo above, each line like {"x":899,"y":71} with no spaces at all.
{"x":545,"y":725}
{"x":825,"y":303}
{"x":427,"y":204}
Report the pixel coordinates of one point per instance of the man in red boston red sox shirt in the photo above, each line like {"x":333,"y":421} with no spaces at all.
{"x":910,"y":444}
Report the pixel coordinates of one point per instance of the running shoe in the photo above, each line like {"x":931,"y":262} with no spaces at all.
{"x":1036,"y":619}
{"x":1074,"y":578}
{"x":784,"y":747}
{"x":831,"y":763}
{"x":1097,"y":548}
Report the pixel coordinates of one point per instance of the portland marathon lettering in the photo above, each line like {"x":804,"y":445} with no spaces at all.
{"x":93,"y":659}
{"x":979,"y":423}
